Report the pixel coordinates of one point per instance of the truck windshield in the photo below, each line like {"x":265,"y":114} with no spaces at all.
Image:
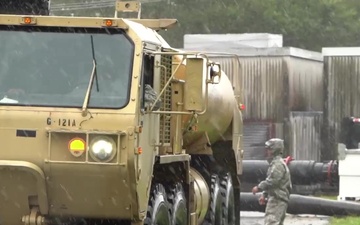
{"x":52,"y":67}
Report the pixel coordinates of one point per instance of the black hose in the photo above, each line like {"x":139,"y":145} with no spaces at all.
{"x":304,"y":205}
{"x":308,"y":189}
{"x":303,"y":172}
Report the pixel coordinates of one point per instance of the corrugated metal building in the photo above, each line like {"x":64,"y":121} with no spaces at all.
{"x":255,"y":136}
{"x":305,"y":142}
{"x":272,"y":82}
{"x":232,"y":41}
{"x":341,"y":93}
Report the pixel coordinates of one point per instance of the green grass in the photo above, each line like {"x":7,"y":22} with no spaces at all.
{"x":349,"y":220}
{"x":330,"y":197}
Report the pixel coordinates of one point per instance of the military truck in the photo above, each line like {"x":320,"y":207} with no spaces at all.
{"x":102,"y":121}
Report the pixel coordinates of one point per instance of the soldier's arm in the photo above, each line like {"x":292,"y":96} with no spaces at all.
{"x":275,"y":175}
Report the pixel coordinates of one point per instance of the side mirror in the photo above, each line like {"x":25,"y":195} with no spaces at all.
{"x":215,"y":73}
{"x":195,"y":82}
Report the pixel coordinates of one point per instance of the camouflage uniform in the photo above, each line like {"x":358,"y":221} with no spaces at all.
{"x":150,"y":97}
{"x":277,"y":186}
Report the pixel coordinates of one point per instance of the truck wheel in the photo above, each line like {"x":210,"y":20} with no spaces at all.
{"x":214,"y":216}
{"x":177,"y":201}
{"x":228,"y":204}
{"x":158,"y":210}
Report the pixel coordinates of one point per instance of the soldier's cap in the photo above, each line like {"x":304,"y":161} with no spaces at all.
{"x":275,"y":144}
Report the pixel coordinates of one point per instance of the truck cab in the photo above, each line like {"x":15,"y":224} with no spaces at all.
{"x":101,"y":119}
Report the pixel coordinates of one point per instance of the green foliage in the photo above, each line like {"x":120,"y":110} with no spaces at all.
{"x":350,"y":220}
{"x":306,"y":24}
{"x":329,"y":197}
{"x":309,"y":24}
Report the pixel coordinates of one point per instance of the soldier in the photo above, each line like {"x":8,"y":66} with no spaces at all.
{"x":150,"y":97}
{"x":277,"y":186}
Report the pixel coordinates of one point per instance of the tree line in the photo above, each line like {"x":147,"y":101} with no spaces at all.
{"x":308,"y":24}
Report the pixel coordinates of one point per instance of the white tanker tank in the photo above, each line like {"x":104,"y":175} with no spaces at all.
{"x":215,"y":123}
{"x":221,"y":120}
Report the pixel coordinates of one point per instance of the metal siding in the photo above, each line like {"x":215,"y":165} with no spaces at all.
{"x":342,"y":94}
{"x":275,"y":85}
{"x":305,"y":84}
{"x":278,"y":130}
{"x":261,"y":79}
{"x":255,"y":136}
{"x":305,"y":135}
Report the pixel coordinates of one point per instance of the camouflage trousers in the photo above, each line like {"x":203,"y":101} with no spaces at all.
{"x":275,"y":211}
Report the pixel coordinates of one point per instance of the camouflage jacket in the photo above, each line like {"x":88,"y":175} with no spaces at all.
{"x":278,"y":181}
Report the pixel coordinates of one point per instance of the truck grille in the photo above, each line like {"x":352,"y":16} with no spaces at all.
{"x":166,"y":61}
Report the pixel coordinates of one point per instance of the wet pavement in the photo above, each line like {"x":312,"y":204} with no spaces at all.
{"x":257,"y":218}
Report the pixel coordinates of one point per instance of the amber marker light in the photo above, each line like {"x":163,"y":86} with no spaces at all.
{"x":76,"y":147}
{"x":28,"y":20}
{"x":109,"y":23}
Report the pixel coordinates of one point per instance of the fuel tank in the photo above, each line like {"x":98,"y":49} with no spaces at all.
{"x":217,"y":119}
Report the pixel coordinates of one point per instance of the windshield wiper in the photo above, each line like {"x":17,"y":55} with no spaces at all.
{"x":93,"y":75}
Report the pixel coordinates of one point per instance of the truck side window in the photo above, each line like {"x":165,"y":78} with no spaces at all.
{"x":148,"y":94}
{"x":147,"y":76}
{"x":148,"y":70}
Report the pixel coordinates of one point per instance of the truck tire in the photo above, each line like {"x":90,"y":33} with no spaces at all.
{"x":158,"y":210}
{"x":177,"y":205}
{"x":228,"y":200}
{"x":214,"y":215}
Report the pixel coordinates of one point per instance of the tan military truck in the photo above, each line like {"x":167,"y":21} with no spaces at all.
{"x":102,"y":121}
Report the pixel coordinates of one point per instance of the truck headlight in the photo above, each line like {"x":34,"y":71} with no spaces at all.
{"x":102,"y":149}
